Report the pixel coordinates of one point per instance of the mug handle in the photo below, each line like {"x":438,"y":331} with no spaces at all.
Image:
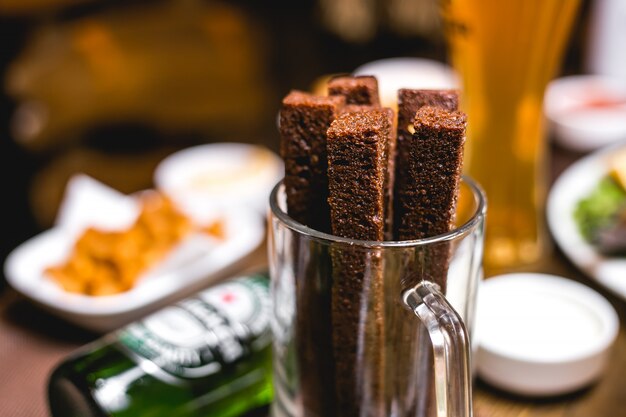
{"x":453,"y":389}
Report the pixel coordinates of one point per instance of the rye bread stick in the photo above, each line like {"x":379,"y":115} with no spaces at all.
{"x":409,"y":102}
{"x":433,"y":156}
{"x":304,"y":120}
{"x":357,"y":159}
{"x":362,"y":90}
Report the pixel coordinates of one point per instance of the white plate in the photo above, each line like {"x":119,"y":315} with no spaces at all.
{"x":205,"y":260}
{"x":574,"y":184}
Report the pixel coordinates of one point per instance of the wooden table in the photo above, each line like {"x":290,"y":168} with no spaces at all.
{"x":32,"y":342}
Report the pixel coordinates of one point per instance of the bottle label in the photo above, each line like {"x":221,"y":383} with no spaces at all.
{"x":199,"y":336}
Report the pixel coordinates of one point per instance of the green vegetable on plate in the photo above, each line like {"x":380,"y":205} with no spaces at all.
{"x":601,"y":217}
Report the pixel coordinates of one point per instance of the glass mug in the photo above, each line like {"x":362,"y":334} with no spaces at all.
{"x":346,"y":339}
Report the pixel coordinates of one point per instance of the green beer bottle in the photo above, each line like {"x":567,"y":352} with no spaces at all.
{"x":209,"y":355}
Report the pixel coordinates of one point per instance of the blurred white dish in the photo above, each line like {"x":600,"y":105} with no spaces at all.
{"x":205,"y":178}
{"x":191,"y":266}
{"x":586,"y":112}
{"x":396,"y":73}
{"x":542,"y":335}
{"x":573,"y":185}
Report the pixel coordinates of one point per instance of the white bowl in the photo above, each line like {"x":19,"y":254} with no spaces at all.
{"x":204,"y":178}
{"x":586,"y":112}
{"x":542,"y":335}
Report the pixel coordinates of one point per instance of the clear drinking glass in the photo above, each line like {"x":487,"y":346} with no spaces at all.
{"x":506,"y":52}
{"x":347,"y":341}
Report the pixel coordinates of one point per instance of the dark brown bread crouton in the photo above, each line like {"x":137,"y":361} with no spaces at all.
{"x":409,"y":102}
{"x":357,"y":90}
{"x":304,"y":120}
{"x":434,"y":154}
{"x":390,"y":153}
{"x":357,"y":168}
{"x":434,"y":171}
{"x":428,"y":203}
{"x":357,"y":156}
{"x":391,"y":159}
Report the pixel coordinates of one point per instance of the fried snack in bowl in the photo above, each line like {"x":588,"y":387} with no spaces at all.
{"x":104,"y":262}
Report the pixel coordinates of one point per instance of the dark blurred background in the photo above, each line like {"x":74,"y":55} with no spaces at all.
{"x":109,"y":88}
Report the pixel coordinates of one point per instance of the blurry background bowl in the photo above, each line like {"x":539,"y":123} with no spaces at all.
{"x":542,"y":335}
{"x":586,"y":112}
{"x":205,"y":178}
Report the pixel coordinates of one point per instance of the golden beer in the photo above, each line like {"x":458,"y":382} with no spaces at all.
{"x":506,"y":52}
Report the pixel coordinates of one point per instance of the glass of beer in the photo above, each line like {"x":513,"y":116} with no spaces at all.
{"x":505,"y":53}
